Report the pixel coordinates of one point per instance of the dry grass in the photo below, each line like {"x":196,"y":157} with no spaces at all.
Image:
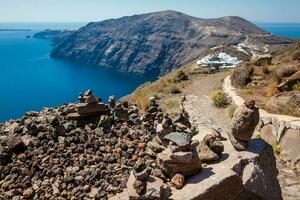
{"x":247,"y":91}
{"x":171,"y":106}
{"x":266,"y":69}
{"x":271,"y":89}
{"x":296,"y":86}
{"x":166,"y":85}
{"x":283,"y":71}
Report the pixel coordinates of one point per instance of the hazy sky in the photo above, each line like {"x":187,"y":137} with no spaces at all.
{"x":96,"y":10}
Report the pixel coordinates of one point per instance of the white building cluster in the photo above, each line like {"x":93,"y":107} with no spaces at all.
{"x":218,"y":62}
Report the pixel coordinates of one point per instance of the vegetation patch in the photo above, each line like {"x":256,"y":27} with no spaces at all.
{"x":271,"y":89}
{"x":171,"y":106}
{"x":247,"y":90}
{"x":283,"y":71}
{"x":296,"y":86}
{"x":220,"y":99}
{"x":276,"y":148}
{"x":259,"y":136}
{"x":232,"y":109}
{"x":167,"y":85}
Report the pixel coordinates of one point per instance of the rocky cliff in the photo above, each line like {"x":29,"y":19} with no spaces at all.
{"x":155,"y":43}
{"x":55,"y":35}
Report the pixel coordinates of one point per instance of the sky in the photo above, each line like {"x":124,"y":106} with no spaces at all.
{"x":260,"y":11}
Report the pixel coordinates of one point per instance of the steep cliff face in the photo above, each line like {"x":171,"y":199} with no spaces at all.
{"x":152,"y":43}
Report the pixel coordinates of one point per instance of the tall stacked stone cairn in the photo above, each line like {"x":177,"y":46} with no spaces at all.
{"x":244,"y":121}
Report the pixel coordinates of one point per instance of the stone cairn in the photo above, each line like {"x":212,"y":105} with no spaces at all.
{"x":244,"y":121}
{"x":177,"y":155}
{"x":89,"y":109}
{"x":92,"y":150}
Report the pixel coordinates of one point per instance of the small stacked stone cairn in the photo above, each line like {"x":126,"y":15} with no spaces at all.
{"x":89,"y":108}
{"x":210,"y":149}
{"x":244,"y":121}
{"x":142,"y":185}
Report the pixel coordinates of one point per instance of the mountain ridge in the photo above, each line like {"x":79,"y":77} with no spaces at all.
{"x":153,"y":43}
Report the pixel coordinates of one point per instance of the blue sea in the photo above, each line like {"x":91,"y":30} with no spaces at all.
{"x":30,"y":79}
{"x":280,"y":29}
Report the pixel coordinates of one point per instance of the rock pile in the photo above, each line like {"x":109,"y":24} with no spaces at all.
{"x":59,"y":154}
{"x":210,"y":149}
{"x":243,"y":124}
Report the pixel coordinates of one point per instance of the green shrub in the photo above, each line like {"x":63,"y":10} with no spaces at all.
{"x":276,"y":148}
{"x":247,"y":90}
{"x":180,"y":76}
{"x":296,"y":86}
{"x":174,"y":89}
{"x":232,"y":109}
{"x":220,"y":99}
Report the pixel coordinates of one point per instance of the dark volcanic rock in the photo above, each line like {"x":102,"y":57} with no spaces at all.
{"x":155,"y":43}
{"x":53,"y":157}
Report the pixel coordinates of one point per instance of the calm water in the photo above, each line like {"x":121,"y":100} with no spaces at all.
{"x":30,"y":79}
{"x":288,"y":30}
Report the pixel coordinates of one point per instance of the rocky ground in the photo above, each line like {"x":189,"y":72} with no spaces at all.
{"x":59,"y":154}
{"x":44,"y":155}
{"x":204,"y":115}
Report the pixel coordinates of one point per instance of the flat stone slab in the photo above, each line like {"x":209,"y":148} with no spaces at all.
{"x":179,"y":138}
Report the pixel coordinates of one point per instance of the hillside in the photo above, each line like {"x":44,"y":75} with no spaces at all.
{"x":156,"y":43}
{"x":274,"y":84}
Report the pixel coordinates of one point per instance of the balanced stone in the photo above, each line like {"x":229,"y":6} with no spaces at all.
{"x":243,"y":124}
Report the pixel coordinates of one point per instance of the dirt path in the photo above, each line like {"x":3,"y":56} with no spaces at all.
{"x":199,"y":104}
{"x":204,"y":115}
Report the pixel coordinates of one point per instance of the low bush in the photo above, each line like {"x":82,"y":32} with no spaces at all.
{"x":276,"y":148}
{"x":247,"y":90}
{"x":259,"y":136}
{"x":180,"y":76}
{"x":220,"y":99}
{"x":296,"y":86}
{"x":232,"y":109}
{"x":174,"y":89}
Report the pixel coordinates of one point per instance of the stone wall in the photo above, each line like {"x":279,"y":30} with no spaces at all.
{"x":274,"y":129}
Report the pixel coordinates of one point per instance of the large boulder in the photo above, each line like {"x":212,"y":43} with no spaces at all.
{"x":285,"y":103}
{"x":290,"y":144}
{"x":185,"y":163}
{"x":250,"y":175}
{"x":241,"y":75}
{"x":244,"y":121}
{"x":261,"y":60}
{"x":289,"y":83}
